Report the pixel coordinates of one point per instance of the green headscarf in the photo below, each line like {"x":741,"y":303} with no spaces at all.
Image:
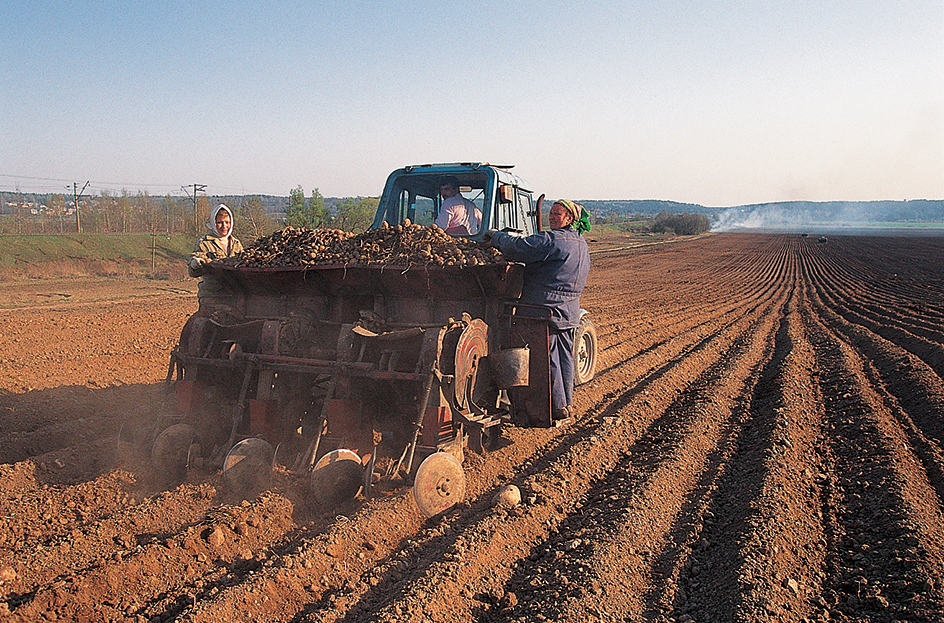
{"x":581,"y":222}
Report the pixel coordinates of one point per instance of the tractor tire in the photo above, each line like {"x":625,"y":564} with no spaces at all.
{"x":585,"y":351}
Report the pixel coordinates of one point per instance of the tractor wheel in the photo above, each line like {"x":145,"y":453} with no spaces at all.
{"x":439,"y":484}
{"x":337,"y":478}
{"x":174,"y":451}
{"x":585,"y":351}
{"x":247,"y":468}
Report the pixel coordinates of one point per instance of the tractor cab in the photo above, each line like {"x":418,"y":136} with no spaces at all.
{"x":504,"y":199}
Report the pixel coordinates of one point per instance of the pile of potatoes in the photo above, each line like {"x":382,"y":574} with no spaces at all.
{"x":407,"y":244}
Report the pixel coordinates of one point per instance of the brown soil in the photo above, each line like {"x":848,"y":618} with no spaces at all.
{"x":764,"y":441}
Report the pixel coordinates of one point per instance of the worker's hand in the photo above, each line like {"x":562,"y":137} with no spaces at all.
{"x":196,"y":262}
{"x":517,"y":233}
{"x":487,"y":237}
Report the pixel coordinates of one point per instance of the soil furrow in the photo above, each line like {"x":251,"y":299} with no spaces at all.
{"x":763,"y":441}
{"x":567,"y":491}
{"x":478,"y":534}
{"x":929,"y":350}
{"x":916,"y":387}
{"x":877,"y":504}
{"x":763,"y":568}
{"x":674,"y":466}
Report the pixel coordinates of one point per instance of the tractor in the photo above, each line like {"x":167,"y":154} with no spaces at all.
{"x":360,"y":376}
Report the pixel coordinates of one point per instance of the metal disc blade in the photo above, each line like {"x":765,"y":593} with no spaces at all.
{"x":247,"y":468}
{"x":439,"y":484}
{"x":471,"y":347}
{"x":171,"y":450}
{"x":337,"y":478}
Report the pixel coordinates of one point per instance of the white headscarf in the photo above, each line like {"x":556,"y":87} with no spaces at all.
{"x":211,"y":225}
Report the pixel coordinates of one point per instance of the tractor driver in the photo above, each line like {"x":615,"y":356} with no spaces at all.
{"x":216,"y":245}
{"x":458,"y":216}
{"x":556,"y":266}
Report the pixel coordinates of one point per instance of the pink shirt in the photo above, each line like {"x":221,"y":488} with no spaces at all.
{"x":459,"y":216}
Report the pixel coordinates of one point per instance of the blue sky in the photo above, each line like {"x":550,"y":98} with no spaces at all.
{"x":719,"y":103}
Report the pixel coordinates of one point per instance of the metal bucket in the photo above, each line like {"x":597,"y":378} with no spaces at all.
{"x":510,"y":367}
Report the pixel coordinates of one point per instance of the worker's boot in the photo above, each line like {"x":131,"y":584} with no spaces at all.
{"x":561,"y":414}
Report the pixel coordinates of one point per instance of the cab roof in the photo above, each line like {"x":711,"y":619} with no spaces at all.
{"x":502,"y":171}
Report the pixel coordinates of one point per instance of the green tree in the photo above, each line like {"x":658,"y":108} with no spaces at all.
{"x":683,"y":224}
{"x":319,"y":212}
{"x":296,"y":214}
{"x":314,"y":214}
{"x":356,"y":214}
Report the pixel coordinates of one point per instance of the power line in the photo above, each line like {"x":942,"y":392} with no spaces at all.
{"x":54,"y":179}
{"x":97,"y":186}
{"x":197,"y":188}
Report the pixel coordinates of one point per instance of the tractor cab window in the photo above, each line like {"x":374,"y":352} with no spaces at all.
{"x":416,"y":207}
{"x":472,"y":188}
{"x":476,"y":196}
{"x":524,"y":209}
{"x":507,"y":214}
{"x":417,"y":196}
{"x":514,"y":211}
{"x":413,"y":200}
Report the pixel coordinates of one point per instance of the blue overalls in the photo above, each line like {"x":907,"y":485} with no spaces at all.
{"x":556,"y":266}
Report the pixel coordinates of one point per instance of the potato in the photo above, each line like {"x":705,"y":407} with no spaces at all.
{"x":407,"y":244}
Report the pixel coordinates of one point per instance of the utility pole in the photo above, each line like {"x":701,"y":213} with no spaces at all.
{"x":76,"y":194}
{"x":196,"y":188}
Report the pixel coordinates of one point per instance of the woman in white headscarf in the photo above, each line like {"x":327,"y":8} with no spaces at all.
{"x":216,"y":245}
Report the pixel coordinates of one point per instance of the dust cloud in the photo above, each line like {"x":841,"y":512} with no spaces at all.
{"x":793,"y":217}
{"x":924,"y":215}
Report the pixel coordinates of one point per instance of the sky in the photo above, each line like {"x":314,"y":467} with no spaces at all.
{"x":718,"y":103}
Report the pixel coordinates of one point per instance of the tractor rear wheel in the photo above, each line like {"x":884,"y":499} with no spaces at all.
{"x":585,"y":351}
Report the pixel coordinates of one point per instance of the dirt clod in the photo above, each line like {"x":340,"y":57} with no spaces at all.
{"x":507,"y":496}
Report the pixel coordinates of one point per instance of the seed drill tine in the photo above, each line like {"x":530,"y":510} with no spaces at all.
{"x":312,"y":453}
{"x":394,"y":469}
{"x":418,"y":424}
{"x":170,"y":371}
{"x":238,"y":410}
{"x":211,"y":341}
{"x":369,"y":473}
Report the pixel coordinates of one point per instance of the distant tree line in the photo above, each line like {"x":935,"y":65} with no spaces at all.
{"x":125,"y":213}
{"x":909,"y":211}
{"x":683,"y":224}
{"x":350,"y":214}
{"x":650,"y":207}
{"x":615,"y":218}
{"x":259,"y":215}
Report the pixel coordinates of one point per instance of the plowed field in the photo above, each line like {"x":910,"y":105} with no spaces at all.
{"x":763,"y":441}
